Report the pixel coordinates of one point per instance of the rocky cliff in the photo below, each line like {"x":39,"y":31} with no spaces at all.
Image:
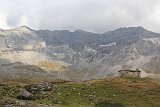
{"x":90,"y":55}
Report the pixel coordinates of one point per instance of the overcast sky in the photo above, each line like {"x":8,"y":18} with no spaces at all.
{"x":90,"y":15}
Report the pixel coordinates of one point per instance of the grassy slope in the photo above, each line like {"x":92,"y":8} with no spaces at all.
{"x":52,"y":66}
{"x":111,"y":92}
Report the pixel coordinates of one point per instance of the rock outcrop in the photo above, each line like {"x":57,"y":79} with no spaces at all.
{"x":24,"y":95}
{"x":39,"y":87}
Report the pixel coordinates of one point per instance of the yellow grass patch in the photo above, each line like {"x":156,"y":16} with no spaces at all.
{"x":53,"y":65}
{"x":132,"y":84}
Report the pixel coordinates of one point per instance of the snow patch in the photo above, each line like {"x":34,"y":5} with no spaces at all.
{"x":111,"y":44}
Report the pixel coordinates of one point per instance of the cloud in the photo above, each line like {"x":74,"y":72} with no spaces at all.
{"x":3,"y":22}
{"x":23,"y":20}
{"x":90,"y":15}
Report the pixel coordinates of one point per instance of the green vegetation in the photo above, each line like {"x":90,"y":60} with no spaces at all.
{"x":110,"y":92}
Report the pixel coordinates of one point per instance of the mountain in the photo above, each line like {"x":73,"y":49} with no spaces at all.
{"x":82,"y":55}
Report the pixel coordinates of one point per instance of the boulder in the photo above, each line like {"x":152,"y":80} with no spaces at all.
{"x":24,"y":95}
{"x":39,"y":87}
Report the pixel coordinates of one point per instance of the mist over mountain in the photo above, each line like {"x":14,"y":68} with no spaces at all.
{"x":90,"y":55}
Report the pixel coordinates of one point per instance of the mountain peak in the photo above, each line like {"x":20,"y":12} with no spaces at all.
{"x":81,"y":31}
{"x":127,"y":29}
{"x":137,"y":28}
{"x":24,"y":27}
{"x":132,"y":28}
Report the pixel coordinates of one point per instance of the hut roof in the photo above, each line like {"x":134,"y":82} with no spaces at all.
{"x":129,"y":70}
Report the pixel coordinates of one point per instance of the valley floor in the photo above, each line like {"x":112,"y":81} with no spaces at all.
{"x":110,"y":92}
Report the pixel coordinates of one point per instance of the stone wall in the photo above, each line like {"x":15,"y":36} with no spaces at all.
{"x":129,"y":73}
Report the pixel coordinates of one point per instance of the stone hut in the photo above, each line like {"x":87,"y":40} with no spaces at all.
{"x":130,"y":73}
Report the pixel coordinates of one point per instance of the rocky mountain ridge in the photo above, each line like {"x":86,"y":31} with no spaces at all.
{"x":91,"y":55}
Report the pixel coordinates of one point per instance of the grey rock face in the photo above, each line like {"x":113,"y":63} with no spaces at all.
{"x":99,"y":54}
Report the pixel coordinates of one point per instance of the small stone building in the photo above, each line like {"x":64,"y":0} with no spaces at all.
{"x":130,"y":73}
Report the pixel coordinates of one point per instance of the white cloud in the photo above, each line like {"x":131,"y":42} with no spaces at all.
{"x":92,"y":15}
{"x":23,"y":20}
{"x":3,"y":22}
